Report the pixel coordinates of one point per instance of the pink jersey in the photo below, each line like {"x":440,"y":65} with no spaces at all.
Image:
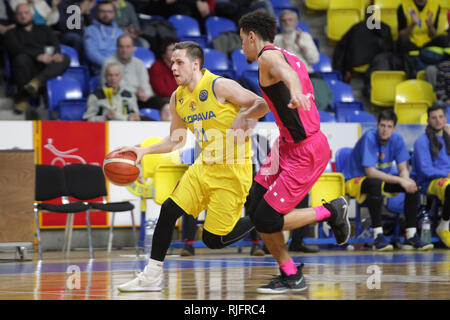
{"x":294,"y":124}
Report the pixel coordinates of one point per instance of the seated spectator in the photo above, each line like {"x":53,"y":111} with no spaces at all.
{"x":234,"y":10}
{"x":127,"y":20}
{"x":418,"y":24}
{"x":135,"y":74}
{"x":160,"y":73}
{"x":101,"y":36}
{"x":432,"y":164}
{"x":112,"y":101}
{"x":368,"y":176}
{"x":6,"y":16}
{"x":70,"y":34}
{"x":35,"y":56}
{"x":297,"y":41}
{"x":42,"y":12}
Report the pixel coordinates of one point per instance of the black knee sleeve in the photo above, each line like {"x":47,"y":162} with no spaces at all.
{"x":266,"y":219}
{"x":212,"y":241}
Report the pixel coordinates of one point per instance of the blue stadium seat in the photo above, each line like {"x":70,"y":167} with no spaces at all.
{"x":341,"y":157}
{"x":94,"y":83}
{"x":216,"y":25}
{"x":250,"y":81}
{"x":325,"y":68}
{"x":81,"y":74}
{"x":359,"y":116}
{"x":342,"y":92}
{"x":188,"y":29}
{"x":217,"y":63}
{"x":344,"y":108}
{"x":62,"y":88}
{"x":72,"y":110}
{"x":280,"y":3}
{"x":72,"y":53}
{"x":240,"y":65}
{"x":326,"y":116}
{"x":146,"y":55}
{"x":151,"y":113}
{"x":8,"y":73}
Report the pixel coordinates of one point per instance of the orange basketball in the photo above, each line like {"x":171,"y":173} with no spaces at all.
{"x":120,"y":168}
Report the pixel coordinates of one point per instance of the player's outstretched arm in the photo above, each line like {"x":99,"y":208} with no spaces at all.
{"x":254,"y":107}
{"x":274,"y":68}
{"x":174,"y":141}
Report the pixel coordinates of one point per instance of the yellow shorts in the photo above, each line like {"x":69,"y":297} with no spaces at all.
{"x":353,"y":189}
{"x":221,"y":189}
{"x":437,"y":188}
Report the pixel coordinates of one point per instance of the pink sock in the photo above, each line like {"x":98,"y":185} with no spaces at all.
{"x":289,"y":267}
{"x":322,"y":213}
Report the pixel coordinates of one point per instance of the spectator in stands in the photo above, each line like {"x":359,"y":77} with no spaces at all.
{"x":70,"y":33}
{"x":112,"y":101}
{"x":295,"y":40}
{"x":42,"y":12}
{"x":160,"y":73}
{"x":234,"y":10}
{"x":6,"y":16}
{"x":101,"y":36}
{"x":135,"y":75}
{"x":432,"y":164}
{"x":35,"y":55}
{"x":418,"y":24}
{"x":127,"y":20}
{"x":368,"y":176}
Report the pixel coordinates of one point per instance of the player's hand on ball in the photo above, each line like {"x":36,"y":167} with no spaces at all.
{"x":138,"y":151}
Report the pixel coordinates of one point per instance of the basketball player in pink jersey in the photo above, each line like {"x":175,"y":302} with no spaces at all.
{"x":298,"y":157}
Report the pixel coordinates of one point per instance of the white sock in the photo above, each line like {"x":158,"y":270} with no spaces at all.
{"x":410,"y":232}
{"x":377,"y":231}
{"x":443,"y":225}
{"x":153,"y":264}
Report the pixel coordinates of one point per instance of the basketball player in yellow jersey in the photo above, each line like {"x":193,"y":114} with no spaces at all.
{"x":220,"y":179}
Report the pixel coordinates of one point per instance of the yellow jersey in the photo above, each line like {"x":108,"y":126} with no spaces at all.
{"x":210,"y":122}
{"x":419,"y":35}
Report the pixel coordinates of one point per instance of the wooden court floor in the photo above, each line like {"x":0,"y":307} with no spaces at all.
{"x":228,"y":275}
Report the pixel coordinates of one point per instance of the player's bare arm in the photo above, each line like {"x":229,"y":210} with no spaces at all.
{"x":254,"y":107}
{"x":176,"y":139}
{"x":274,"y":68}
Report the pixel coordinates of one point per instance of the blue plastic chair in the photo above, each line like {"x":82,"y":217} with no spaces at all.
{"x":280,"y":3}
{"x":344,"y":108}
{"x":72,"y":53}
{"x":326,"y":116}
{"x":217,"y":63}
{"x":94,"y":83}
{"x":324,"y":64}
{"x":152,"y":113}
{"x":250,"y":81}
{"x":72,"y":110}
{"x":82,"y":75}
{"x":342,"y":92}
{"x":185,"y":25}
{"x":146,"y":55}
{"x":8,"y":73}
{"x":62,"y":88}
{"x":360,"y":116}
{"x":216,"y":25}
{"x":240,"y":65}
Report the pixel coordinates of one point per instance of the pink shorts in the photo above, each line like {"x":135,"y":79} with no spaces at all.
{"x":291,"y":169}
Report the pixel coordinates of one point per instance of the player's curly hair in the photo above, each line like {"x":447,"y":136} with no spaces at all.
{"x":260,"y":22}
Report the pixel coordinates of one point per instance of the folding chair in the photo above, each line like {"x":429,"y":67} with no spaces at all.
{"x":412,"y":99}
{"x":51,"y":184}
{"x":86,"y":182}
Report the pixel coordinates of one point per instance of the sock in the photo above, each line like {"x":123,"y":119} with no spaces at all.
{"x":410,"y":232}
{"x":443,"y":225}
{"x":377,"y":231}
{"x":322,"y":213}
{"x":289,"y":267}
{"x":152,"y":265}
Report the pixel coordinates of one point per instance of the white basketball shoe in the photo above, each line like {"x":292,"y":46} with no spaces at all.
{"x":151,"y":279}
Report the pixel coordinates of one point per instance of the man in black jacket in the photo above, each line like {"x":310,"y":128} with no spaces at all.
{"x":35,"y":56}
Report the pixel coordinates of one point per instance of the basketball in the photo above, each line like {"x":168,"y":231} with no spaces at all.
{"x":120,"y":168}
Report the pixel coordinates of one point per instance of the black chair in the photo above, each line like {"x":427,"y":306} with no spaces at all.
{"x":87,"y":182}
{"x":50,"y":184}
